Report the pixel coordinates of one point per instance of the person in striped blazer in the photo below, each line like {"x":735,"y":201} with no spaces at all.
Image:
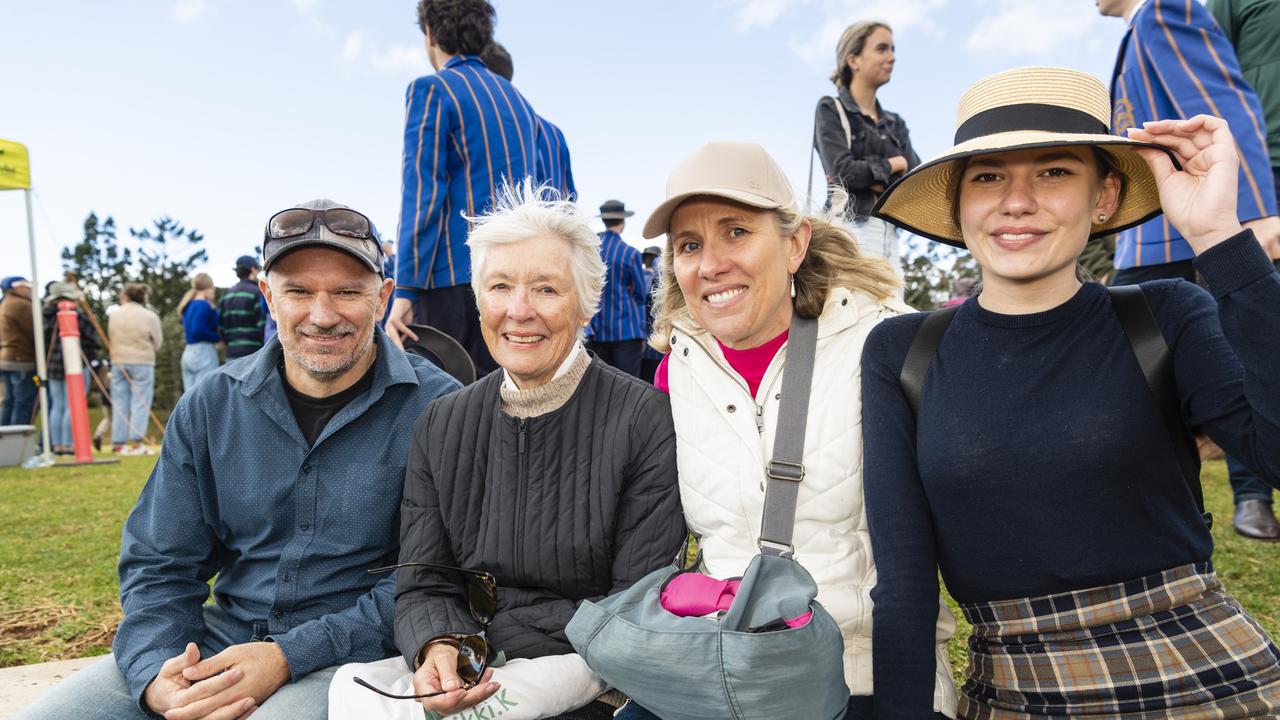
{"x":468,"y":132}
{"x":1175,"y":62}
{"x":553,"y":166}
{"x":619,"y":327}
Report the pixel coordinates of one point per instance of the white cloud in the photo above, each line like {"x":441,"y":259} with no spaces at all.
{"x":818,"y":48}
{"x":400,"y":60}
{"x":760,"y":13}
{"x":190,"y":10}
{"x":304,"y":6}
{"x":352,"y":47}
{"x":1032,"y":28}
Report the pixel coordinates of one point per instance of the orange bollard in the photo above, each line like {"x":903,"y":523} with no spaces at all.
{"x":69,"y":329}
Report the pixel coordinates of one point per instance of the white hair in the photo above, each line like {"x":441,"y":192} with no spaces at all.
{"x":526,"y":211}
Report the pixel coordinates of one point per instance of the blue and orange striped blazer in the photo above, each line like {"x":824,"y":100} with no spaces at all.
{"x":622,"y":304}
{"x":1175,"y":62}
{"x":466,"y":132}
{"x":553,"y":160}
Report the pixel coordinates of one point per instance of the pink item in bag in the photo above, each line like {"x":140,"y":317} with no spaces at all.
{"x":693,"y":595}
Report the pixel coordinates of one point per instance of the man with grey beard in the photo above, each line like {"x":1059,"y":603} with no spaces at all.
{"x":281,"y":475}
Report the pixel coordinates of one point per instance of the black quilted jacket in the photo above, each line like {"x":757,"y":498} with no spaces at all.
{"x":571,"y":505}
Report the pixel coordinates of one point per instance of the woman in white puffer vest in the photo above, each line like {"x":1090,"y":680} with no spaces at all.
{"x":739,"y":259}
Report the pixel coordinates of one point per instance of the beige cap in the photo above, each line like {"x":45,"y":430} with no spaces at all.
{"x":738,"y":171}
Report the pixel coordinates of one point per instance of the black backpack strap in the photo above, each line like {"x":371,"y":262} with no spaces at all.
{"x":920,"y":355}
{"x":1153,"y":355}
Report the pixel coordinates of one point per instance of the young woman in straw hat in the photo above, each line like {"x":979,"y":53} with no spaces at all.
{"x":1055,"y":506}
{"x":740,"y":259}
{"x":864,"y":147}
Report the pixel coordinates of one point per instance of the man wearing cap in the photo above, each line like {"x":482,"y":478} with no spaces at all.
{"x":17,"y":352}
{"x":467,"y":133}
{"x":281,"y":475}
{"x":619,"y":326}
{"x":240,"y":312}
{"x":1175,"y":62}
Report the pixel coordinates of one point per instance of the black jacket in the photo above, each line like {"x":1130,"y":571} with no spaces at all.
{"x":89,"y":342}
{"x":589,"y":506}
{"x":865,"y":162}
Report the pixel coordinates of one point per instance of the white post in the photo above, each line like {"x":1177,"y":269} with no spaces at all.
{"x":37,"y":321}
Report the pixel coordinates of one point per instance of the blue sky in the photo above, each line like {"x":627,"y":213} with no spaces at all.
{"x":220,"y":112}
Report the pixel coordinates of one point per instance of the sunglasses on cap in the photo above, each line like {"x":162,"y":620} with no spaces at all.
{"x":299,"y":221}
{"x":473,"y":650}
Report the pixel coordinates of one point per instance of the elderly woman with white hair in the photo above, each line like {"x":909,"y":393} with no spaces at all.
{"x":538,"y":487}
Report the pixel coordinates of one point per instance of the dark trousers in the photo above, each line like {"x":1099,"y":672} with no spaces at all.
{"x":19,"y":397}
{"x":623,"y":354}
{"x":452,"y":310}
{"x":1245,"y":484}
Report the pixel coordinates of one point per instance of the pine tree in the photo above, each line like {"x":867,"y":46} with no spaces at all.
{"x":100,"y":264}
{"x":167,"y":255}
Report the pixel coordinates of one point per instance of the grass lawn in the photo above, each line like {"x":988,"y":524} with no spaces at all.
{"x":60,"y":535}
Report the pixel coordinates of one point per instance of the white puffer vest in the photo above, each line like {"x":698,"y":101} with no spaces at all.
{"x":724,"y":437}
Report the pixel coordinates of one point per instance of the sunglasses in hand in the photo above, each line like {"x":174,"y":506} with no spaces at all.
{"x":473,"y":650}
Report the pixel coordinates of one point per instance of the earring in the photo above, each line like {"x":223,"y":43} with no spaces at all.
{"x":1102,"y":217}
{"x":793,"y":286}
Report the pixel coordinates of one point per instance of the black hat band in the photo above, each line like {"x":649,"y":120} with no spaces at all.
{"x":1029,"y":116}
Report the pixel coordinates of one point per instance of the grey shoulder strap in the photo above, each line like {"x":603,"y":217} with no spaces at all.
{"x":786,"y":470}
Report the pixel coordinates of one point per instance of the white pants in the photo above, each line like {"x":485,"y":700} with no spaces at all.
{"x":531,"y":689}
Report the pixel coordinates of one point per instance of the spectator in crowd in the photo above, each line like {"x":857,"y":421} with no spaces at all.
{"x":649,"y":357}
{"x":280,"y":476}
{"x":492,"y":475}
{"x":135,"y":334}
{"x":864,"y":147}
{"x":741,"y":260}
{"x":467,"y":131}
{"x":618,"y":328}
{"x":59,"y":400}
{"x":17,"y":352}
{"x":1253,"y":28}
{"x":200,"y":328}
{"x":241,"y":316}
{"x":1174,"y":62}
{"x":553,"y":166}
{"x":1024,"y":453}
{"x":962,"y":288}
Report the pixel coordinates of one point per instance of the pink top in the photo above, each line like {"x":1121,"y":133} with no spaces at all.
{"x":750,"y":364}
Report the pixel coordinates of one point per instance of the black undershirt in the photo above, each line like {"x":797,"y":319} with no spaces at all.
{"x":313,"y":413}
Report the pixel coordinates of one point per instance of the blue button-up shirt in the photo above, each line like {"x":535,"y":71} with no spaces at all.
{"x":621,"y":313}
{"x":289,"y":529}
{"x":467,"y":131}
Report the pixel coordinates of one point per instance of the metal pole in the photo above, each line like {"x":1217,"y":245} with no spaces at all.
{"x":37,"y":321}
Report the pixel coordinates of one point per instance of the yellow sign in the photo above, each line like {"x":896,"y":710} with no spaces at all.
{"x":15,"y":166}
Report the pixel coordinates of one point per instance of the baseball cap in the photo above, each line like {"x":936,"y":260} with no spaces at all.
{"x":355,"y":234}
{"x":247,"y":262}
{"x":738,"y":171}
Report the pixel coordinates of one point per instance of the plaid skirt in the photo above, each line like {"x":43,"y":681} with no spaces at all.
{"x":1169,"y":645}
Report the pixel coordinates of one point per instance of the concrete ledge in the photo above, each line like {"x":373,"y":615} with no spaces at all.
{"x":20,"y":686}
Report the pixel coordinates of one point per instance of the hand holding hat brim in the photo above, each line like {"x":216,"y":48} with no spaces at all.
{"x":1200,"y":197}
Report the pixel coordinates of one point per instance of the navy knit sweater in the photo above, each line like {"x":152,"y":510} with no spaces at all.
{"x":1039,"y":462}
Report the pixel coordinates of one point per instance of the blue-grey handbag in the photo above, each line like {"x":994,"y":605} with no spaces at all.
{"x":746,"y":664}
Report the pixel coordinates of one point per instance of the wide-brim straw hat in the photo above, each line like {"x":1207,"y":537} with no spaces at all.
{"x":1029,"y":107}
